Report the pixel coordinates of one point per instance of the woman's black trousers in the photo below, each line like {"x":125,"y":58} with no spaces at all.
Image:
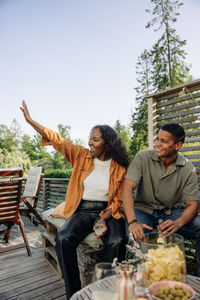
{"x":74,"y":231}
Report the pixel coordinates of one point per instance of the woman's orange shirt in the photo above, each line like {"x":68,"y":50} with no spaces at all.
{"x":82,"y":163}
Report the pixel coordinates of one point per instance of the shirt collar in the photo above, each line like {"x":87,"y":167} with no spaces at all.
{"x":180,"y":161}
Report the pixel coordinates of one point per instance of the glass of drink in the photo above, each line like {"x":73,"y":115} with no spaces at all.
{"x":102,"y":270}
{"x":104,"y":295}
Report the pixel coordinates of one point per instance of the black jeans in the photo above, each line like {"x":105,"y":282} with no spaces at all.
{"x":73,"y":232}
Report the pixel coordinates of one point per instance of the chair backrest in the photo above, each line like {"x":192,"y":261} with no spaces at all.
{"x":33,"y":182}
{"x":10,"y":192}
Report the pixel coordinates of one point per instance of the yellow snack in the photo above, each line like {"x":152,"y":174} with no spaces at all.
{"x":165,"y":263}
{"x":160,"y":241}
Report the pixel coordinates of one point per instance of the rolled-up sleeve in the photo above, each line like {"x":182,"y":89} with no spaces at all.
{"x":69,"y":150}
{"x":190,"y":189}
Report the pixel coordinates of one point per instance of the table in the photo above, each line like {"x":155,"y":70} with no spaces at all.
{"x":110,"y":283}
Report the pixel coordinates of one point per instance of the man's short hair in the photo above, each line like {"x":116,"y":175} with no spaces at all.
{"x":176,"y":130}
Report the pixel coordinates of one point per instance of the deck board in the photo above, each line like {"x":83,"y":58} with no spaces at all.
{"x":24,"y":277}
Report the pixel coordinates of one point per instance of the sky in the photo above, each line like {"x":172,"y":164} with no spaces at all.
{"x":73,"y":61}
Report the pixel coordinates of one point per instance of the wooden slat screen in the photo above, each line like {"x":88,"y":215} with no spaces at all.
{"x":179,"y":105}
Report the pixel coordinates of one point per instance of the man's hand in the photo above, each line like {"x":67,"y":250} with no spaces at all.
{"x":136,"y":229}
{"x":168,"y":227}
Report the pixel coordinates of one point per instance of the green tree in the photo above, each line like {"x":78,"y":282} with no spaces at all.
{"x":124,"y":133}
{"x":58,"y":161}
{"x":139,"y":117}
{"x":14,"y":159}
{"x":64,"y":130}
{"x":10,"y":137}
{"x":11,"y":154}
{"x":161,"y":67}
{"x":168,"y":55}
{"x":38,"y":154}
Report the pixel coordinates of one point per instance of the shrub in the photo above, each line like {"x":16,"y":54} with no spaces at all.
{"x":58,"y":173}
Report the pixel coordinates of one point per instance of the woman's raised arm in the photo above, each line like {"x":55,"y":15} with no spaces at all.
{"x":39,"y":128}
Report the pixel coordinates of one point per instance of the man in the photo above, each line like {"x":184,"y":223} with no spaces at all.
{"x":160,"y":178}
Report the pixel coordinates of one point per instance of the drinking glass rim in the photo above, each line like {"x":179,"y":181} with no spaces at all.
{"x":104,"y":264}
{"x":176,"y":235}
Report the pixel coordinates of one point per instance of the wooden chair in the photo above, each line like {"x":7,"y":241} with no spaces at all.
{"x":30,"y":196}
{"x":10,"y":192}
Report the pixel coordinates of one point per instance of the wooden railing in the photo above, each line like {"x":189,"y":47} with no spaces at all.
{"x":52,"y":193}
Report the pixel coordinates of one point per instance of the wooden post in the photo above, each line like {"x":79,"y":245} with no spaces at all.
{"x":152,"y":121}
{"x":45,"y":196}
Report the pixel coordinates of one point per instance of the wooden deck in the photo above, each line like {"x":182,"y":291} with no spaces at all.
{"x":28,"y":277}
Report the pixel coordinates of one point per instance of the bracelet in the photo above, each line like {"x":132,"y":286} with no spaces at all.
{"x":133,"y":221}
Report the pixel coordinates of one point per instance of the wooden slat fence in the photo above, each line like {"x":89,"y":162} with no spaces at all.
{"x":180,"y":105}
{"x":52,"y":193}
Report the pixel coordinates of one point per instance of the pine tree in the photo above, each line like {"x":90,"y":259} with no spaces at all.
{"x":161,"y":67}
{"x":139,"y":121}
{"x":124,"y":133}
{"x":168,"y":55}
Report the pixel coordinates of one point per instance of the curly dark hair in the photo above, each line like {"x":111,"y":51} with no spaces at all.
{"x":115,"y":148}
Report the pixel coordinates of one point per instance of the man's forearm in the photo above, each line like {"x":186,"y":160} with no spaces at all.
{"x":129,"y":208}
{"x":128,"y":202}
{"x":189,"y":213}
{"x":135,"y":228}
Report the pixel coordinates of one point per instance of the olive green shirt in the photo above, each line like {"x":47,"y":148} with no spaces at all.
{"x":158,"y":189}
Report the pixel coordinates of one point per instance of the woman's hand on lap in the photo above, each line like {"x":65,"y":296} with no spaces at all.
{"x":100,"y":228}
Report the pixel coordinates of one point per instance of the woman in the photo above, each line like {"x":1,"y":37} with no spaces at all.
{"x":93,"y":196}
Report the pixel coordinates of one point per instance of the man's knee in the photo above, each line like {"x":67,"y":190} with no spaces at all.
{"x":195,"y":224}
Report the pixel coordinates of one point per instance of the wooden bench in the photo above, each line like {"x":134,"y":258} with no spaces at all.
{"x":86,"y":251}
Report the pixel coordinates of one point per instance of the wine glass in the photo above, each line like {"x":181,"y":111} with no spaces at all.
{"x":102,"y":270}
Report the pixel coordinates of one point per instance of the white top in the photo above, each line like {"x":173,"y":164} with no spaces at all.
{"x":96,"y":184}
